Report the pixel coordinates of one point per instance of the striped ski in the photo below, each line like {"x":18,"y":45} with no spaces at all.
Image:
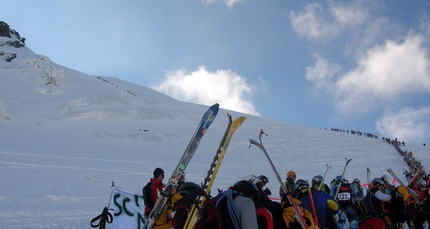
{"x":193,"y":215}
{"x":288,"y":197}
{"x":204,"y":124}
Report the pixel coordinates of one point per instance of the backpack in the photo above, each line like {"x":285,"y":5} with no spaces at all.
{"x":145,"y":191}
{"x":344,"y":197}
{"x":367,"y":204}
{"x":397,"y":209}
{"x":182,"y":202}
{"x":228,"y":209}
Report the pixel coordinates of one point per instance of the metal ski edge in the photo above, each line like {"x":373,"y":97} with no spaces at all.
{"x":214,"y":167}
{"x":161,"y":202}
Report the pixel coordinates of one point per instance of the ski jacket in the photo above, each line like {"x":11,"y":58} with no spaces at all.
{"x":288,"y":214}
{"x":407,"y":197}
{"x":324,"y":188}
{"x":289,"y":185}
{"x":150,"y":193}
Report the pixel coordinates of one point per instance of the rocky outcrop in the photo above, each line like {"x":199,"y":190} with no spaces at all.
{"x":13,"y":40}
{"x":5,"y":31}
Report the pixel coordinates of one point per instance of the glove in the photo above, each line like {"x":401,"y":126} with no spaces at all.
{"x":267,"y":192}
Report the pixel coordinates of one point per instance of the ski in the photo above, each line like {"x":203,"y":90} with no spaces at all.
{"x":314,"y":211}
{"x":368,"y":178}
{"x":341,"y":178}
{"x":298,"y":215}
{"x":232,"y":126}
{"x":204,"y":124}
{"x":413,"y":193}
{"x":325,"y":174}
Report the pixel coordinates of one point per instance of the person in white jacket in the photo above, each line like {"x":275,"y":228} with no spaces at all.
{"x":376,"y":198}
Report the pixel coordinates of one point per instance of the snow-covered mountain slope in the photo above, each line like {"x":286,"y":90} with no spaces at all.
{"x":65,"y":136}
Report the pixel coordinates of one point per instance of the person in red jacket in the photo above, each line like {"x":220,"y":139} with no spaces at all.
{"x":152,"y":190}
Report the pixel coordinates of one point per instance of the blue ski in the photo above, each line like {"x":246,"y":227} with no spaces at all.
{"x":159,"y":206}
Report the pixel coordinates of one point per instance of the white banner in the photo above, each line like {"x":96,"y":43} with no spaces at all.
{"x":129,"y":209}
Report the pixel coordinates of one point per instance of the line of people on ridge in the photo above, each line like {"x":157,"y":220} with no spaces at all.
{"x":380,"y":205}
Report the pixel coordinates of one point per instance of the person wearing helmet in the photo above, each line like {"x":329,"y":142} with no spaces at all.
{"x":264,"y":179}
{"x":264,"y":204}
{"x":289,"y":183}
{"x":374,"y":200}
{"x":266,"y":192}
{"x":357,"y":189}
{"x":318,"y":184}
{"x":387,"y":184}
{"x":358,"y":195}
{"x":342,"y":192}
{"x":299,"y":190}
{"x":248,"y":192}
{"x":325,"y":205}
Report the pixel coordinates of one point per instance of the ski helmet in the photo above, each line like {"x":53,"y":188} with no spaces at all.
{"x":192,"y":188}
{"x":253,"y":178}
{"x":356,"y":180}
{"x":317,"y":179}
{"x":300,"y":187}
{"x":247,"y":188}
{"x":291,"y":173}
{"x":263,"y":179}
{"x":338,"y":179}
{"x":378,"y":181}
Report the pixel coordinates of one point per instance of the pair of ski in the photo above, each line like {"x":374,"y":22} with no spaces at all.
{"x":416,"y":196}
{"x":204,"y":124}
{"x":286,"y":194}
{"x":195,"y":212}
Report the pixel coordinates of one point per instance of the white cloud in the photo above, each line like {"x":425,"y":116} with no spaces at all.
{"x":384,"y":74}
{"x":207,"y":2}
{"x":407,"y":125}
{"x":311,"y":23}
{"x":352,"y":13}
{"x":317,"y":22}
{"x":204,"y":87}
{"x":228,"y":3}
{"x":322,"y":73}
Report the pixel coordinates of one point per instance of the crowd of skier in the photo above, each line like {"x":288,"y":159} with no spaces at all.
{"x":339,"y":203}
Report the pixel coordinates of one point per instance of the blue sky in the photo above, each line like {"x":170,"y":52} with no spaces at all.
{"x":353,"y":65}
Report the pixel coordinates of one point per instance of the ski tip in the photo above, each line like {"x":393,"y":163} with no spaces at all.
{"x":242,"y":119}
{"x":216,"y":105}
